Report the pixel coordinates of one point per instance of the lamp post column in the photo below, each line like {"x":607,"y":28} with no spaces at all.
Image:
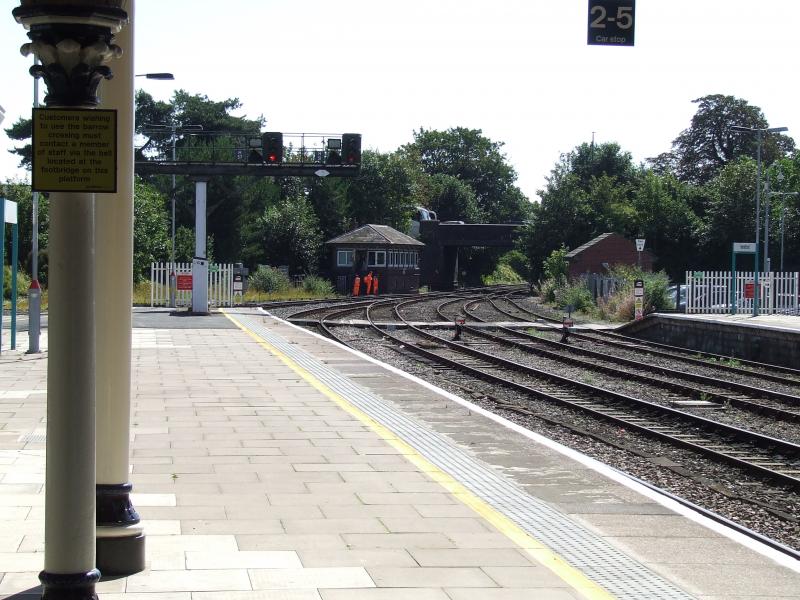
{"x":172,"y":275}
{"x":120,"y":541}
{"x":757,"y":291}
{"x":73,"y":40}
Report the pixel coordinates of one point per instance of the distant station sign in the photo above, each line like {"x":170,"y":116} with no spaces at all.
{"x":744,"y":247}
{"x":611,"y":22}
{"x":74,"y":150}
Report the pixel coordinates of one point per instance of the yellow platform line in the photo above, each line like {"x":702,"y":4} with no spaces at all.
{"x":533,"y":547}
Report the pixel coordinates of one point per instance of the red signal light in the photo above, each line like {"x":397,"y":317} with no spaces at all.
{"x":272,"y":142}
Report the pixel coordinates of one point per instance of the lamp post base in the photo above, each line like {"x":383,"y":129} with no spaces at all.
{"x":69,"y":586}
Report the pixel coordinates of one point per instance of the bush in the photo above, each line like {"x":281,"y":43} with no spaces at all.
{"x":620,"y":306}
{"x":266,"y":279}
{"x":318,"y":286}
{"x":23,"y":283}
{"x":575,"y":294}
{"x":546,"y":290}
{"x":517,"y":261}
{"x":503,"y":274}
{"x":556,"y":266}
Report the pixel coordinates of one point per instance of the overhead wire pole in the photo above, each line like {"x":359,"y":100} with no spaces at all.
{"x":759,"y":131}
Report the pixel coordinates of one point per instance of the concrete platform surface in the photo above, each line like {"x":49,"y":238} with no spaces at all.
{"x":270,"y":463}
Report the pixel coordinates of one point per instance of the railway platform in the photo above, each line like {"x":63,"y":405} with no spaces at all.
{"x":268,"y":462}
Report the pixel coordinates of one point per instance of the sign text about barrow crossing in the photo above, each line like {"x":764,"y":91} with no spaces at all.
{"x":74,"y":150}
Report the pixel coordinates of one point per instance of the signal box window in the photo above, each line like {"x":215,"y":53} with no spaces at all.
{"x":376,"y":258}
{"x":344,"y":258}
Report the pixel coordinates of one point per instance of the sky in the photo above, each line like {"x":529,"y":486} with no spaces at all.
{"x":519,"y":70}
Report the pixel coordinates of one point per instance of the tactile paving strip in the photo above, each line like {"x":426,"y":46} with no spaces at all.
{"x":602,"y":563}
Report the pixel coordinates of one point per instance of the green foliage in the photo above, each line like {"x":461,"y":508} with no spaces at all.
{"x":317,"y":286}
{"x":20,"y":192}
{"x":708,"y":144}
{"x":185,"y":245}
{"x":517,"y":261}
{"x":288,"y":234}
{"x":574,"y":294}
{"x":467,"y":155}
{"x":23,"y":283}
{"x":620,"y":306}
{"x":556,"y":266}
{"x":150,"y":229}
{"x":502,"y":275}
{"x":269,"y":279}
{"x":21,"y":131}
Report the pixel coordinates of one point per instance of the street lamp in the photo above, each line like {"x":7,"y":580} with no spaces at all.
{"x":161,"y":76}
{"x":174,"y":129}
{"x":759,"y":131}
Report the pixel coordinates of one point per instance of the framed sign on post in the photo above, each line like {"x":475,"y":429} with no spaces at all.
{"x":74,"y":150}
{"x":611,"y":22}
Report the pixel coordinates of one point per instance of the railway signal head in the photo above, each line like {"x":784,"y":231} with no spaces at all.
{"x":272,"y":141}
{"x":351,"y":148}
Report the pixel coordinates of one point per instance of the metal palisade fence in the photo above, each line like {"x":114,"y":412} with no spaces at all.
{"x":710,"y":292}
{"x":220,"y":284}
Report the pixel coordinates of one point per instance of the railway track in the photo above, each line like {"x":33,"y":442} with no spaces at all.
{"x":723,"y":364}
{"x":707,"y":390}
{"x":763,"y":459}
{"x":770,"y":457}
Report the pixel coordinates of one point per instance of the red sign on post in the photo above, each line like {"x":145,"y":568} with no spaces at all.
{"x":750,"y":290}
{"x":183,"y":283}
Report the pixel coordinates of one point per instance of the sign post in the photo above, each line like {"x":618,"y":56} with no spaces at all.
{"x":611,"y":22}
{"x":639,"y":248}
{"x":742,"y":248}
{"x":638,"y":299}
{"x":8,"y":214}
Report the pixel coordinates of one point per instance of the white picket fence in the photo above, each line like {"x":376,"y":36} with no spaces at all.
{"x":711,"y":292}
{"x":220,"y":284}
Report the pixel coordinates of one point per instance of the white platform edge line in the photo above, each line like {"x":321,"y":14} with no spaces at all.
{"x":585,"y":460}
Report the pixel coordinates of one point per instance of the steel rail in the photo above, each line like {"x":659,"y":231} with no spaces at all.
{"x":790,"y":476}
{"x":710,"y":392}
{"x":674,"y":352}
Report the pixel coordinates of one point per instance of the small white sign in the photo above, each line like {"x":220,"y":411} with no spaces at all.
{"x":639,"y":244}
{"x":744,"y":247}
{"x":10,"y":211}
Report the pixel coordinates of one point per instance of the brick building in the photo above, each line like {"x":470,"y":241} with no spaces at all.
{"x":605,"y":251}
{"x":393,"y":256}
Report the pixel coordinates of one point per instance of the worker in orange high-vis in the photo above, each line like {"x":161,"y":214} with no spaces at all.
{"x":368,"y":283}
{"x":375,"y":285}
{"x":356,"y":285}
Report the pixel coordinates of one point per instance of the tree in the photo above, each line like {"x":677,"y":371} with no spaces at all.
{"x":150,"y":228}
{"x":451,"y":198}
{"x":468,"y":155}
{"x":588,"y":193}
{"x":224,"y":209}
{"x":703,"y":149}
{"x":20,"y":192}
{"x":730,"y":216}
{"x":288,"y":234}
{"x":663,"y":216}
{"x":381,"y":194}
{"x":22,"y":130}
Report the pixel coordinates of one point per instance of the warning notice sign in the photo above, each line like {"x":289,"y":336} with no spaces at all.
{"x":74,"y":150}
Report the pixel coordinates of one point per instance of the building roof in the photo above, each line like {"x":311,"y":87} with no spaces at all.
{"x":588,"y":244}
{"x":370,"y":235}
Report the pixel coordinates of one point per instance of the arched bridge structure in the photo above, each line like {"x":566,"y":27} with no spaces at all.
{"x":443,"y":239}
